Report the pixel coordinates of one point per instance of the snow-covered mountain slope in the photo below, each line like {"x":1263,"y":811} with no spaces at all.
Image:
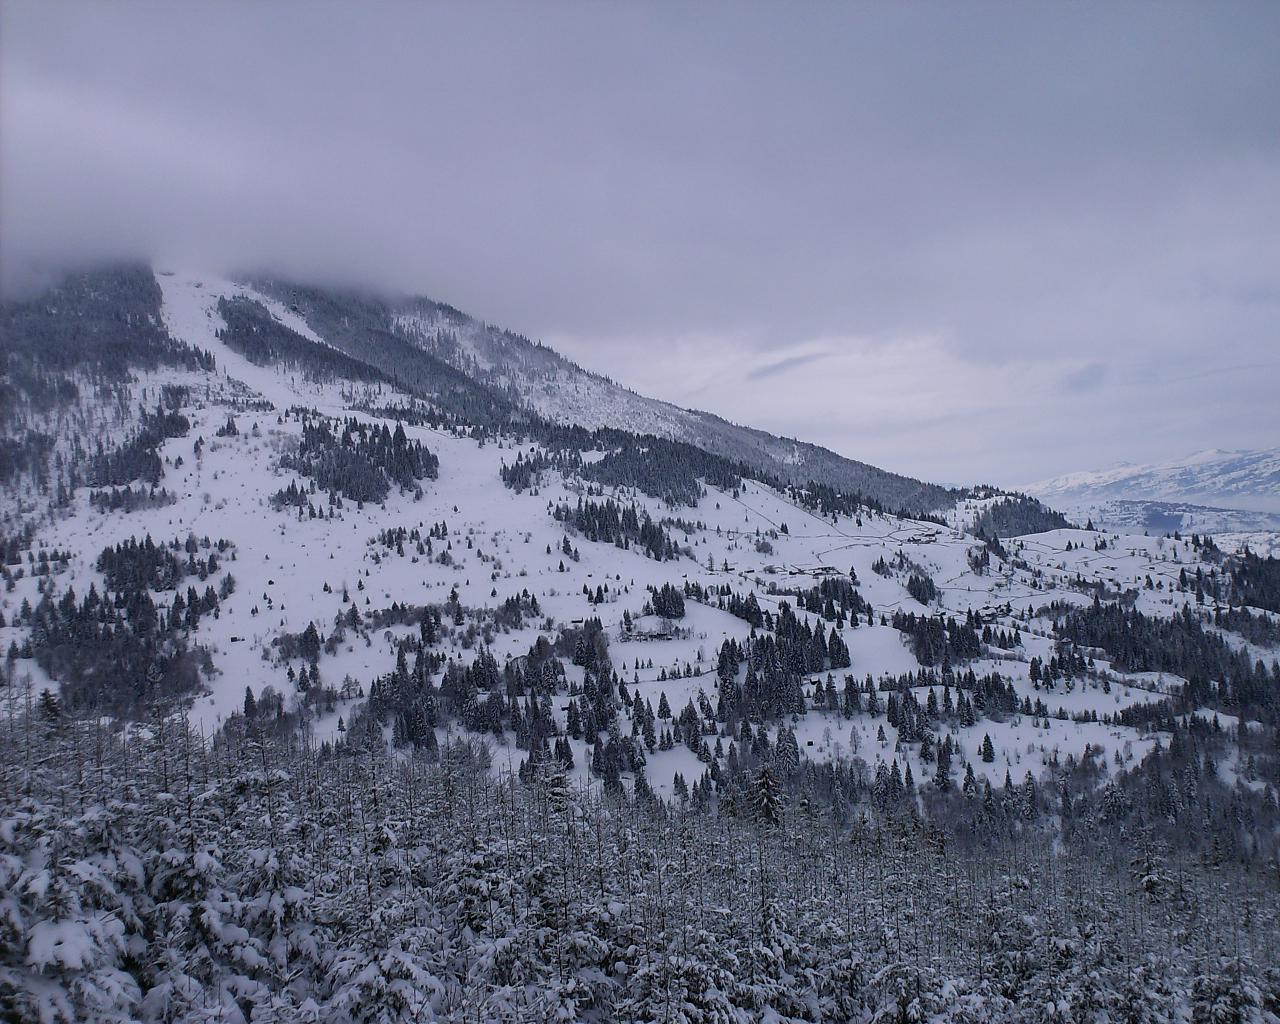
{"x":255,"y":452}
{"x":536,"y":378}
{"x":1225,"y":479}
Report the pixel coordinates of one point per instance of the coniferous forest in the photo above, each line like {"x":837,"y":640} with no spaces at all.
{"x":261,"y":877}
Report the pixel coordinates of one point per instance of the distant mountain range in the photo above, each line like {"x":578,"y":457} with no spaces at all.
{"x":1230,"y":479}
{"x":1213,"y":491}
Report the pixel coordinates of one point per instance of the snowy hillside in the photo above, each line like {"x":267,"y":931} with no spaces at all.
{"x":537,"y":378}
{"x":1247,"y":480}
{"x":221,"y":517}
{"x":293,"y":569}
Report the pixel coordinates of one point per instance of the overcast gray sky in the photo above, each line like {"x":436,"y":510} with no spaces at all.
{"x":963,"y":241}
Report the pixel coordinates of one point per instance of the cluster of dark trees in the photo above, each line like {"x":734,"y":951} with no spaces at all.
{"x":1256,"y":580}
{"x":804,"y":648}
{"x":406,"y":697}
{"x":526,"y":472}
{"x":776,"y":664}
{"x":1010,"y":516}
{"x":666,"y":601}
{"x":516,"y":610}
{"x":133,"y":459}
{"x":936,"y":640}
{"x":832,"y":599}
{"x":1066,"y":662}
{"x":828,"y":501}
{"x":130,"y":498}
{"x":415,"y":413}
{"x":1005,"y":639}
{"x":306,"y":644}
{"x":12,"y":544}
{"x":358,"y":460}
{"x":1256,"y":627}
{"x":304,"y":497}
{"x":45,"y":562}
{"x":728,"y":600}
{"x":920,"y":585}
{"x":769,"y":690}
{"x":134,"y":565}
{"x":836,"y":599}
{"x":1016,"y":515}
{"x":119,"y":652}
{"x":669,"y":470}
{"x":989,"y":696}
{"x":24,"y":453}
{"x":137,"y":457}
{"x":486,"y":698}
{"x":396,"y":537}
{"x":991,"y":546}
{"x":610,"y":522}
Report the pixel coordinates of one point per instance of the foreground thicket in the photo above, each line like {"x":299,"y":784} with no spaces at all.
{"x":159,"y":878}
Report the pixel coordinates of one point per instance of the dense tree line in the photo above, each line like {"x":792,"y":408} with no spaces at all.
{"x":666,"y":601}
{"x":828,"y":501}
{"x":105,"y":321}
{"x":1255,"y":627}
{"x":527,"y":471}
{"x":665,"y":469}
{"x":120,"y":651}
{"x":250,"y":329}
{"x":659,"y":467}
{"x":130,"y":498}
{"x":117,"y":653}
{"x":117,"y":465}
{"x":1215,"y":672}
